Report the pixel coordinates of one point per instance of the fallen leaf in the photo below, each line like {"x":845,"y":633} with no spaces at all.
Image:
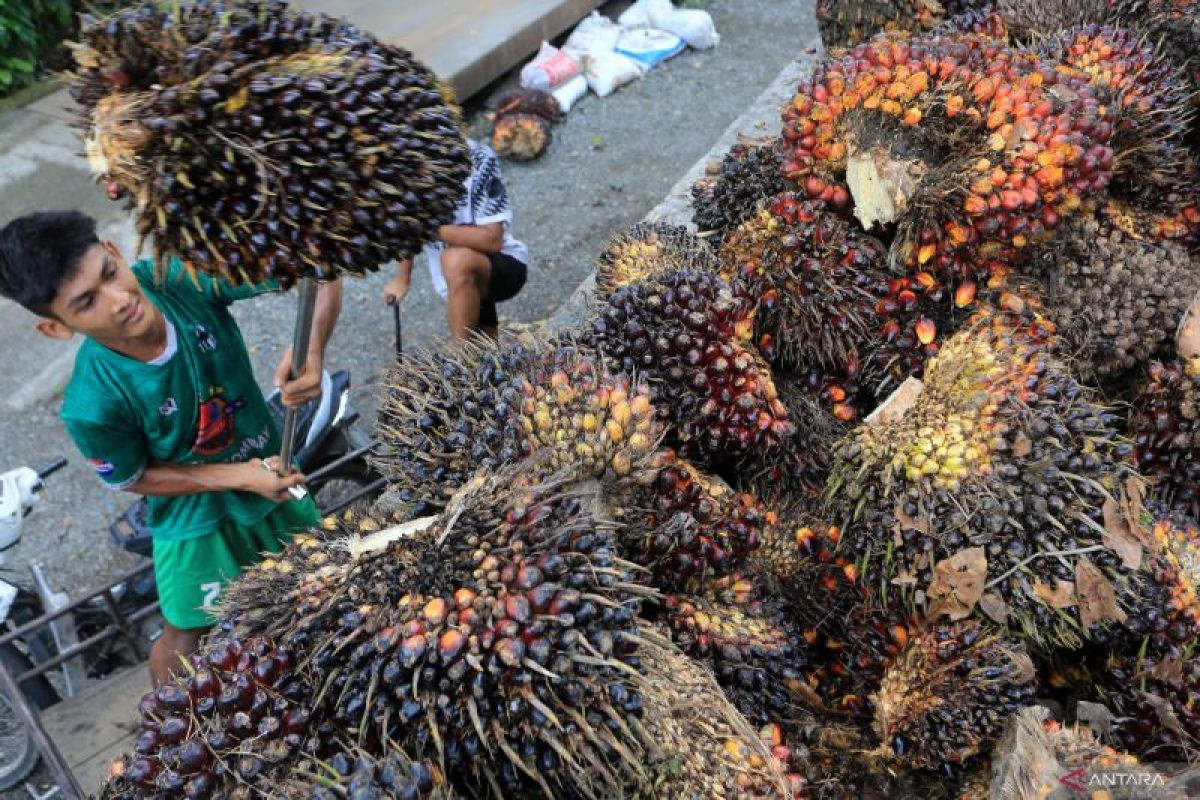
{"x":1118,"y":535}
{"x":1096,"y":596}
{"x":920,"y":523}
{"x":1022,"y":446}
{"x":1061,"y":596}
{"x":1133,"y":502}
{"x":1169,"y":670}
{"x":957,"y":584}
{"x":1095,"y":715}
{"x":1166,"y":714}
{"x":1026,"y":671}
{"x":994,"y":606}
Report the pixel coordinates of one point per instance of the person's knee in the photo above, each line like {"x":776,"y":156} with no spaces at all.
{"x":462,"y":266}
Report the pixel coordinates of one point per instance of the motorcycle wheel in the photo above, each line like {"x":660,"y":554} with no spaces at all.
{"x":18,"y":756}
{"x":340,"y":489}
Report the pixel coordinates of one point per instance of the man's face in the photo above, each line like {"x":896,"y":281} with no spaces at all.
{"x":103,"y":299}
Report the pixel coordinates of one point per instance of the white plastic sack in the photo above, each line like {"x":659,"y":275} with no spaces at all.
{"x":570,"y":92}
{"x":649,"y":47}
{"x":550,"y":68}
{"x":595,"y":33}
{"x":636,"y":16}
{"x":694,"y":26}
{"x":607,"y":72}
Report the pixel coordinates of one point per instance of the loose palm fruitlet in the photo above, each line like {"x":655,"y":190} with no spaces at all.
{"x":520,"y":136}
{"x":946,"y":697}
{"x":1165,"y":426}
{"x":980,"y":148}
{"x":689,"y":332}
{"x":649,"y":249}
{"x":685,"y":525}
{"x":228,"y":729}
{"x":733,"y":190}
{"x":755,"y":650}
{"x":478,"y":405}
{"x":1003,"y":475}
{"x":501,"y":642}
{"x":1115,"y":296}
{"x":254,"y":141}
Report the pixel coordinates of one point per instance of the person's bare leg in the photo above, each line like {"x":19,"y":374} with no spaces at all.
{"x":173,"y":645}
{"x":491,"y":331}
{"x":466,"y":272}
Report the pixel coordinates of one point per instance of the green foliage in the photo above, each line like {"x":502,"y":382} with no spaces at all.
{"x":29,"y":31}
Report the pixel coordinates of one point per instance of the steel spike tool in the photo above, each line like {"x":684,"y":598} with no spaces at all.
{"x":304,"y":318}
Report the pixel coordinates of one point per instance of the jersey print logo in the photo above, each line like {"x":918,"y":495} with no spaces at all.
{"x":206,"y":341}
{"x":215,"y":428}
{"x":103,"y":468}
{"x":168,"y":407}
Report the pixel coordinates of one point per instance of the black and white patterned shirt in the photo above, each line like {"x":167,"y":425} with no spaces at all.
{"x":486,"y":202}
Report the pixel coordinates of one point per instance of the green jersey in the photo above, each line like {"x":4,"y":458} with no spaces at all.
{"x":197,"y":403}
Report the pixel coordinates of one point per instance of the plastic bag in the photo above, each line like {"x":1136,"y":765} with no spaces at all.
{"x":550,"y":68}
{"x":636,"y":16}
{"x":649,"y":47}
{"x":694,"y":26}
{"x":596,"y":33}
{"x":607,"y":72}
{"x":570,"y":92}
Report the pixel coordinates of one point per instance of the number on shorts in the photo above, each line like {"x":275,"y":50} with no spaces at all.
{"x":211,"y":590}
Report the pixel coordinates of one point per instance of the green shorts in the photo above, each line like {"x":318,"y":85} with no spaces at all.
{"x":192,"y":573}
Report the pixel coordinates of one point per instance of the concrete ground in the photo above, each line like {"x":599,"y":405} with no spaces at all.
{"x":611,"y":161}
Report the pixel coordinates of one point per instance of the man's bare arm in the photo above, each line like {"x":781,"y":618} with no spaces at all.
{"x":174,"y":480}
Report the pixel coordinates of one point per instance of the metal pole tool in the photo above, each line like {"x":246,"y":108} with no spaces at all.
{"x":304,"y":319}
{"x":396,"y":318}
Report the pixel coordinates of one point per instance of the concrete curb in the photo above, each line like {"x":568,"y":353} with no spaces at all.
{"x":761,"y":119}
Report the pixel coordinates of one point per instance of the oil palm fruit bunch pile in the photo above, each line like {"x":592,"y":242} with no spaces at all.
{"x":648,"y":249}
{"x":521,"y":128}
{"x":980,"y":147}
{"x":1003,"y":456}
{"x":479,"y":405}
{"x":734,"y":189}
{"x":1165,"y":427}
{"x":690,"y":333}
{"x":254,"y":141}
{"x":946,"y":697}
{"x":1116,"y":296}
{"x":845,"y":24}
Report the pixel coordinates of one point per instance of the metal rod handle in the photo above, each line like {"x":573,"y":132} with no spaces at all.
{"x":304,"y":318}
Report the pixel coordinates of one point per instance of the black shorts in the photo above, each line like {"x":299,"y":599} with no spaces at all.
{"x":507,"y":278}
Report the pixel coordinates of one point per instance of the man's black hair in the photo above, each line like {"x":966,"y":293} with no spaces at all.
{"x":40,"y":252}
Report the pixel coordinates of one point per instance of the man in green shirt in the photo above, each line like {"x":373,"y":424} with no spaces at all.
{"x":163,"y":403}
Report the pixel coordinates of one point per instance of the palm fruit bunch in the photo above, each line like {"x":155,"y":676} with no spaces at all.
{"x":701,"y":746}
{"x":254,"y":141}
{"x":232,"y":723}
{"x":946,"y":697}
{"x":648,"y":249}
{"x":501,"y":641}
{"x":480,"y":404}
{"x":1003,"y":457}
{"x":754,"y":649}
{"x":1151,"y":108}
{"x":733,"y":190}
{"x":971,"y":148}
{"x":1165,"y":426}
{"x":845,"y":23}
{"x":684,"y":525}
{"x":529,"y":101}
{"x":689,"y":332}
{"x":1115,"y":296}
{"x":519,"y":136}
{"x":354,"y":774}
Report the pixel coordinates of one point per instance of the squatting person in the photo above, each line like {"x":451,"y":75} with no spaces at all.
{"x":163,"y":403}
{"x":474,"y":263}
